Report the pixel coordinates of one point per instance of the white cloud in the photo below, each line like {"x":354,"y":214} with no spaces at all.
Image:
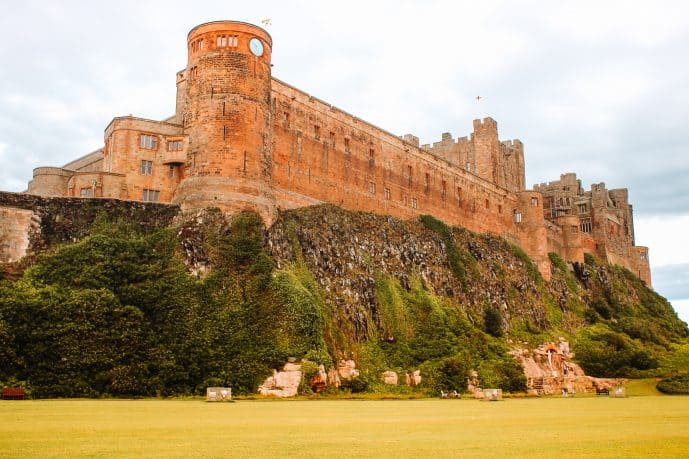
{"x":666,"y":236}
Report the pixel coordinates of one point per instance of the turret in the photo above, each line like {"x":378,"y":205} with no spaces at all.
{"x":226,"y":113}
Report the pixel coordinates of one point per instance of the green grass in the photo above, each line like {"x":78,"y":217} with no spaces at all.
{"x":656,"y":426}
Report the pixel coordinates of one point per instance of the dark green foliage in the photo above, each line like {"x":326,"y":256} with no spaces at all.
{"x":492,"y":321}
{"x":678,"y":384}
{"x":605,"y":352}
{"x":117,"y":313}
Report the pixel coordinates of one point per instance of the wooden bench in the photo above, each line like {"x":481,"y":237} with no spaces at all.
{"x":13,"y":393}
{"x":602,"y":391}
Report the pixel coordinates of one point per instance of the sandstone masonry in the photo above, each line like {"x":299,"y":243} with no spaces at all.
{"x":242,"y":139}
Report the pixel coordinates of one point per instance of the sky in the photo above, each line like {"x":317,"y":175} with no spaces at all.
{"x":600,"y":88}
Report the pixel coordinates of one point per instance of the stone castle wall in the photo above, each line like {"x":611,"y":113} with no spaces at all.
{"x":242,"y":139}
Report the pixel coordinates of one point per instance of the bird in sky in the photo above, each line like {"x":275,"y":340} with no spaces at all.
{"x":478,"y":98}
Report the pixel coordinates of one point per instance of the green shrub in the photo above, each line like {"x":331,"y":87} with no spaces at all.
{"x":492,"y":320}
{"x":678,"y":384}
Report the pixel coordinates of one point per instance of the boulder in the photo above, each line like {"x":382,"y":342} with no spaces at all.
{"x":390,"y":377}
{"x":283,"y":383}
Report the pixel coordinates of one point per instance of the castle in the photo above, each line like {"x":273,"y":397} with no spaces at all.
{"x":242,"y":139}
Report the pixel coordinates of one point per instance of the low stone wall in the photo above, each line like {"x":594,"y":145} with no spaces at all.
{"x":32,"y":223}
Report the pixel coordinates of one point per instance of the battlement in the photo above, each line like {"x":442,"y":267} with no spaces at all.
{"x":487,"y":123}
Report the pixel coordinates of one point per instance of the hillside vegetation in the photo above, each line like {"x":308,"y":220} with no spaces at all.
{"x":220,"y":301}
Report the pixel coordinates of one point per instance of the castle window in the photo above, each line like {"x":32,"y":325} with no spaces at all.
{"x":171,"y":171}
{"x":585,"y":225}
{"x":387,"y":193}
{"x":85,"y":192}
{"x":225,"y":131}
{"x":413,"y":203}
{"x":642,"y":256}
{"x":146,"y":167}
{"x":444,"y":189}
{"x":174,"y":145}
{"x":427,"y":181}
{"x":409,"y":175}
{"x":582,"y":208}
{"x":332,"y":139}
{"x":193,"y":73}
{"x":149,"y":142}
{"x":285,"y":120}
{"x":372,"y":187}
{"x":499,"y":208}
{"x":371,"y":157}
{"x":534,"y":202}
{"x":487,"y":203}
{"x":468,"y":166}
{"x":573,"y":229}
{"x":151,"y":195}
{"x":201,"y":44}
{"x":346,"y":144}
{"x":222,"y":41}
{"x":517,"y":216}
{"x":317,"y":132}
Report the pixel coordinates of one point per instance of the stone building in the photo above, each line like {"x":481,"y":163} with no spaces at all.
{"x":242,"y":139}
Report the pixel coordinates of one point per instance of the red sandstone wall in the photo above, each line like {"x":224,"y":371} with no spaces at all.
{"x":310,"y":166}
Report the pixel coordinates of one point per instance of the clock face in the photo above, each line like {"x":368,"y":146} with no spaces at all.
{"x":256,"y":46}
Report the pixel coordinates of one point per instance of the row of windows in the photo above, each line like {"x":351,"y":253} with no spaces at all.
{"x":150,"y":142}
{"x":387,"y":194}
{"x":221,"y":41}
{"x":226,"y":41}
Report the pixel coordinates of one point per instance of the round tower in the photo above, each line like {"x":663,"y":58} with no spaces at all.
{"x":226,"y":113}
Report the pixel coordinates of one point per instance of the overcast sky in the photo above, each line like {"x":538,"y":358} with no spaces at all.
{"x":598,"y":88}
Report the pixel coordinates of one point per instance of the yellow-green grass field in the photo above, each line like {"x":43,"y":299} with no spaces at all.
{"x":582,"y":426}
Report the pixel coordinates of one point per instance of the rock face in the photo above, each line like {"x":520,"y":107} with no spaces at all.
{"x":550,"y":370}
{"x":283,"y":383}
{"x":345,"y":251}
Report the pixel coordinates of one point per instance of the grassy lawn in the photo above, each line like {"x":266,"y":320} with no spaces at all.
{"x":582,"y":426}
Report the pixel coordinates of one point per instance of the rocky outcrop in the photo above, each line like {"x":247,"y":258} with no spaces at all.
{"x":283,"y":383}
{"x":345,"y":251}
{"x":550,"y":370}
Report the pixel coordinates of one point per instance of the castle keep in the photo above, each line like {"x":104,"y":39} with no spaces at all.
{"x":242,"y":139}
